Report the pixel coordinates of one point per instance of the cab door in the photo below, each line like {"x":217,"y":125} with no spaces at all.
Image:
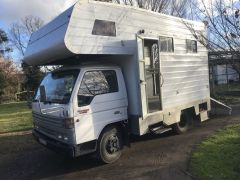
{"x":101,"y":100}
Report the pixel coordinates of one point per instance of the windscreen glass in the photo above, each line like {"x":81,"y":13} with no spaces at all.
{"x":58,"y":86}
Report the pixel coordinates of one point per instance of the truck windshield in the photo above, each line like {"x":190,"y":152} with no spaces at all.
{"x":58,"y":86}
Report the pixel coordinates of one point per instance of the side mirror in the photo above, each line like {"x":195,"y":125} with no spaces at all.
{"x":43,"y":96}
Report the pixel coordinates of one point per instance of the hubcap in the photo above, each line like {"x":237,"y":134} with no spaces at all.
{"x":112,"y":145}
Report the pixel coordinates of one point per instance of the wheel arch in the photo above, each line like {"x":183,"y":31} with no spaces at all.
{"x":190,"y":110}
{"x":122,"y":127}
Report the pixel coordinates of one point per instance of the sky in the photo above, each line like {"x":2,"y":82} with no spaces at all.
{"x":13,"y":10}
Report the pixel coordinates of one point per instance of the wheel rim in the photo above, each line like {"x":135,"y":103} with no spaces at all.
{"x":112,"y":145}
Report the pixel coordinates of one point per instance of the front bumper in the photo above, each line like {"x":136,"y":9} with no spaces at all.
{"x":53,"y":144}
{"x":57,"y":146}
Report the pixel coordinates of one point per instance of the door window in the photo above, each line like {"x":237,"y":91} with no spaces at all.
{"x":96,"y":83}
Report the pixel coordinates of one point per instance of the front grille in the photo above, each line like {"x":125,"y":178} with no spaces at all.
{"x":53,"y":127}
{"x":46,"y":120}
{"x":46,"y":130}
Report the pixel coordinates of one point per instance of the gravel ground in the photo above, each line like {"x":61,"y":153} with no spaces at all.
{"x":164,"y":156}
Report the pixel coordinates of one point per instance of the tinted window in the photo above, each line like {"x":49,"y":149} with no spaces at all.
{"x":191,"y":46}
{"x":96,"y":83}
{"x":104,"y":28}
{"x":166,"y":44}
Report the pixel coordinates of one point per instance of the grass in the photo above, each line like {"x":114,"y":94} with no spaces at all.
{"x":218,"y":156}
{"x":229,"y":94}
{"x":15,"y":117}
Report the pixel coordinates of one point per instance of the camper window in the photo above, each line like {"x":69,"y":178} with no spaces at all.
{"x":166,"y":44}
{"x":104,"y":28}
{"x":191,"y":46}
{"x":96,"y":83}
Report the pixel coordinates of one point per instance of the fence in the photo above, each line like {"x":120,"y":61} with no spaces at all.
{"x":224,"y":84}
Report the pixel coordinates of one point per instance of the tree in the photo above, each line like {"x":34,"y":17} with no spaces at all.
{"x":222,"y":20}
{"x":9,"y":80}
{"x":179,"y":8}
{"x":33,"y":76}
{"x":171,"y":7}
{"x":2,"y":85}
{"x":4,"y":47}
{"x":20,"y":34}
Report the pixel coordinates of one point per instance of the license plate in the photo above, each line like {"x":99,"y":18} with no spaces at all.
{"x":42,"y":141}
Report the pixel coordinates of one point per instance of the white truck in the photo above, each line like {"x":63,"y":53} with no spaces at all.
{"x":124,"y":71}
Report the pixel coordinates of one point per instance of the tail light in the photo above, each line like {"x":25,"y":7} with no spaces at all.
{"x":69,"y":123}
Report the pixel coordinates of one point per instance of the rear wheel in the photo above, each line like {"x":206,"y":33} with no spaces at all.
{"x":185,"y":123}
{"x":110,"y":145}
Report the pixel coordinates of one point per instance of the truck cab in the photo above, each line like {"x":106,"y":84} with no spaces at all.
{"x":82,"y":110}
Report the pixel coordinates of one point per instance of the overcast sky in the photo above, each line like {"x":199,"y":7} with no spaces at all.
{"x":12,"y":10}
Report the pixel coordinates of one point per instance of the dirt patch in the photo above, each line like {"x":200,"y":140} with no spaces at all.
{"x":163,"y":156}
{"x":15,"y":133}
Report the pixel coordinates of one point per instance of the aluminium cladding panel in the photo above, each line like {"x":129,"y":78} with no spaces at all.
{"x":62,"y":38}
{"x":79,"y":37}
{"x":186,"y":79}
{"x":47,"y":44}
{"x":186,"y":75}
{"x":129,"y":20}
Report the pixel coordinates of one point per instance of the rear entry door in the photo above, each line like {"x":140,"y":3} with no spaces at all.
{"x":142,"y":75}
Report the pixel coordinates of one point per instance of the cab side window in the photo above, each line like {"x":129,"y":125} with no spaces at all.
{"x":96,"y":83}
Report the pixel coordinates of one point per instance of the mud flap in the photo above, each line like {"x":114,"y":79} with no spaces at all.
{"x":126,"y":134}
{"x":204,"y":116}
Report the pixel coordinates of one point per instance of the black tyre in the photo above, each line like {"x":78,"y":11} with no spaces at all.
{"x":110,"y":145}
{"x":185,"y":123}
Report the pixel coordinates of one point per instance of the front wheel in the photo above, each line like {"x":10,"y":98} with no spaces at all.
{"x":110,"y":145}
{"x":184,"y":124}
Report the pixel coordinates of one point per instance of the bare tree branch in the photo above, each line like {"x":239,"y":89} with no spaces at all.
{"x":21,"y":31}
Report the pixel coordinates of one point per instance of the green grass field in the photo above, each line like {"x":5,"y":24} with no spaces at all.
{"x":218,"y":156}
{"x":15,"y":117}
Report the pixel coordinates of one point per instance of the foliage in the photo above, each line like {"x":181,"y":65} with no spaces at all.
{"x":20,"y":33}
{"x":2,"y":84}
{"x":15,"y":117}
{"x":218,"y":156}
{"x":33,"y":76}
{"x":10,"y":80}
{"x":4,"y":47}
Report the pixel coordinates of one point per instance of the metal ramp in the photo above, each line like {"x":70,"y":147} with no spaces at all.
{"x":221,"y":104}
